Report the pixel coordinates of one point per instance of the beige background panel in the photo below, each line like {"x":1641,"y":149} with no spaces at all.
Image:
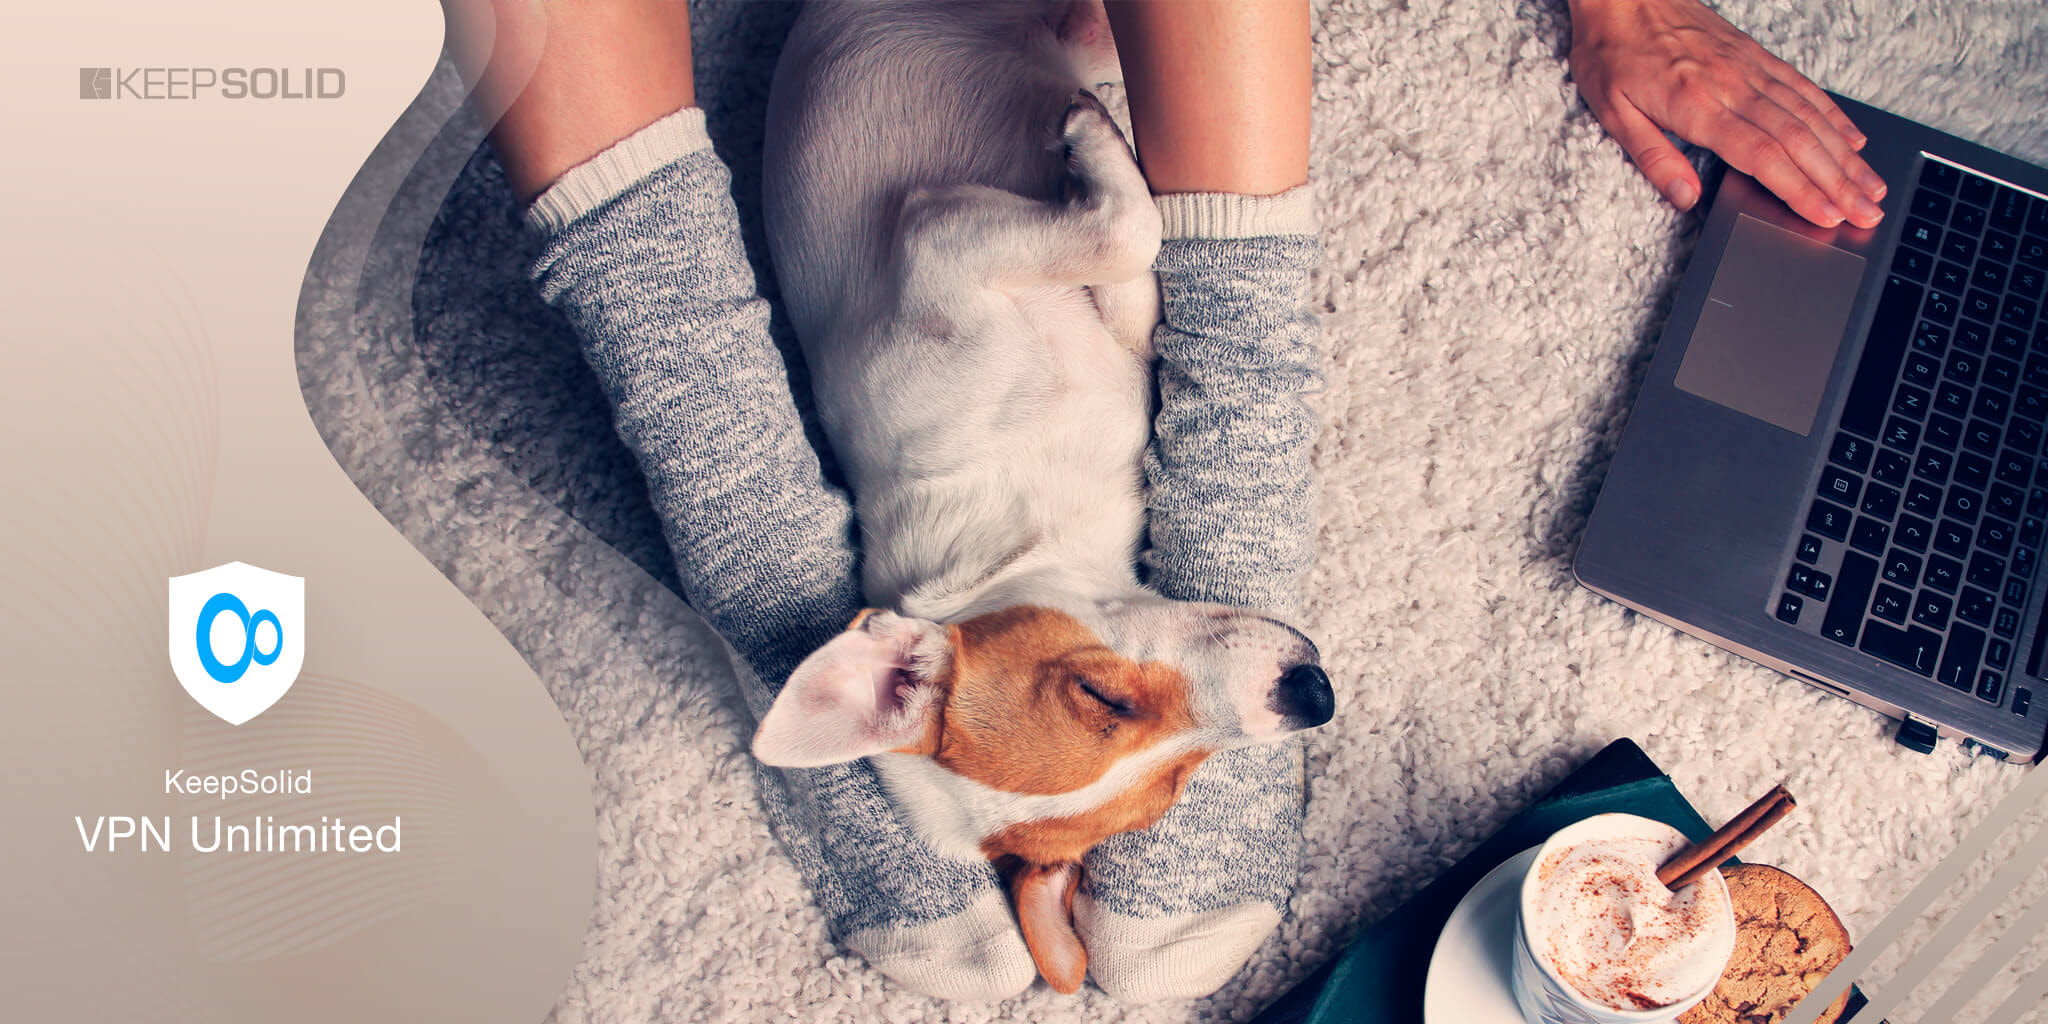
{"x":154,"y":263}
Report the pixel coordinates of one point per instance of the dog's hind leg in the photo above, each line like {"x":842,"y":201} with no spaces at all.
{"x":961,"y":238}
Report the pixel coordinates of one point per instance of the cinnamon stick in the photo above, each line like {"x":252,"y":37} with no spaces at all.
{"x":1696,"y":860}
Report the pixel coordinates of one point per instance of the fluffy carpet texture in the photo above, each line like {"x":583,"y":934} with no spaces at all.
{"x":1496,"y":276}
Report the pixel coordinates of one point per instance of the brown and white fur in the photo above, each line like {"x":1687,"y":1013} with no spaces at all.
{"x":963,"y":240}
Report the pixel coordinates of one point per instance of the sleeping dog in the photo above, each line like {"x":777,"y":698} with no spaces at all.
{"x":963,"y":241}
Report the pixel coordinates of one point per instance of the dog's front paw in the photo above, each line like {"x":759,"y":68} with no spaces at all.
{"x":1090,"y":133}
{"x":1105,"y":180}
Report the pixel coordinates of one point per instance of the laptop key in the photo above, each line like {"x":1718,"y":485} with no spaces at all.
{"x":1992,"y":404}
{"x":1999,"y":248}
{"x":1995,"y":536}
{"x":2034,"y":252}
{"x":1870,"y":535}
{"x":1950,"y":275}
{"x":1976,"y":189}
{"x":1944,"y":574}
{"x":1901,"y":433}
{"x":1997,"y":653}
{"x":2023,"y":562}
{"x":1934,"y":465}
{"x":1880,"y":502}
{"x":1986,"y":569}
{"x":1837,"y":485}
{"x":2005,"y":501}
{"x":1902,"y":569}
{"x":1960,"y":658}
{"x":1924,"y":499}
{"x":2008,"y":343}
{"x":1829,"y":520}
{"x":1981,"y":436}
{"x":1972,"y":470}
{"x":1966,"y":218}
{"x":1940,"y":177}
{"x":1910,"y":533}
{"x":1988,"y":275}
{"x":1891,"y":467}
{"x":2017,"y":311}
{"x":1844,"y":618}
{"x":2014,"y":468}
{"x":1931,"y":204}
{"x":1809,"y":548}
{"x":1891,"y":604}
{"x":1932,"y":610}
{"x":1962,"y":367}
{"x":1788,"y":609}
{"x":1952,"y":538}
{"x":1912,"y":648}
{"x":1972,"y":336}
{"x":1911,"y":402}
{"x":1975,"y":606}
{"x":1963,"y":504}
{"x":2027,"y":281}
{"x":1952,"y":400}
{"x":2001,"y":373}
{"x":1922,"y":369}
{"x":2023,"y":435}
{"x":1980,"y":304}
{"x":1990,"y":685}
{"x":2030,"y":532}
{"x":1943,"y":432}
{"x":2031,"y":402}
{"x":2006,"y":623}
{"x":1921,"y":233}
{"x":1912,"y":263}
{"x":1850,"y":452}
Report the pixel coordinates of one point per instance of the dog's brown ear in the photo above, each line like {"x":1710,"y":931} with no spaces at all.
{"x":875,"y":687}
{"x":1044,"y":897}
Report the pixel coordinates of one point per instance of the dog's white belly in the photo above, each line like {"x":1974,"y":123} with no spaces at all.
{"x":1029,"y":452}
{"x":954,"y":813}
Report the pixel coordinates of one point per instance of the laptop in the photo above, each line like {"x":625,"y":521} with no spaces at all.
{"x":1838,"y":462}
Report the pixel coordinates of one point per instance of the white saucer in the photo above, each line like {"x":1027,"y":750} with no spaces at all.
{"x":1468,"y":980}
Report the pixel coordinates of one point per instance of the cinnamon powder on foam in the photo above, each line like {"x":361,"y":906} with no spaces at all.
{"x":1654,"y":957}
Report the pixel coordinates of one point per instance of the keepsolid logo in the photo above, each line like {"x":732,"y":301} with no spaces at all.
{"x":237,"y":637}
{"x":191,"y":83}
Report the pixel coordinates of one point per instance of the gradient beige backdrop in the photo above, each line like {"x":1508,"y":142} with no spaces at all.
{"x":154,"y":252}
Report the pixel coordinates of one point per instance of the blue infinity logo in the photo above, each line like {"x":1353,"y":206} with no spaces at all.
{"x":219,"y":670}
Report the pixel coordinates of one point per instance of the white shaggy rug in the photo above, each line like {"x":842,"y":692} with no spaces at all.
{"x":1496,"y":276}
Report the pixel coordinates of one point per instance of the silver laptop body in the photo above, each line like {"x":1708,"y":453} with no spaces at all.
{"x":1836,"y":464}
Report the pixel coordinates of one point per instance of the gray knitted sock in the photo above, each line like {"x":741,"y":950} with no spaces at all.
{"x":643,"y":255}
{"x":1173,"y":911}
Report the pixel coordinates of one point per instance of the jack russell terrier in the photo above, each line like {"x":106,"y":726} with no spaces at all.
{"x":963,"y":241}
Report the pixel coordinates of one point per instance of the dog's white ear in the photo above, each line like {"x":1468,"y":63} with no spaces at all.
{"x":872,"y":688}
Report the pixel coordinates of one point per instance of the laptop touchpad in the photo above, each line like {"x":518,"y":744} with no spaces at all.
{"x":1773,"y":320}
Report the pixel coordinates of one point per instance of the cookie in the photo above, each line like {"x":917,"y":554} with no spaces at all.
{"x":1786,"y":941}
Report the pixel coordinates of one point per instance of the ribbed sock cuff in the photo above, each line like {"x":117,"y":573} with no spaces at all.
{"x":600,"y":179}
{"x":1228,"y":215}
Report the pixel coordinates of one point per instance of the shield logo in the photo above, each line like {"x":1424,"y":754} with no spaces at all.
{"x":237,"y":637}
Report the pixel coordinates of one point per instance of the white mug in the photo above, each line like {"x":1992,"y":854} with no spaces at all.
{"x":1546,"y":998}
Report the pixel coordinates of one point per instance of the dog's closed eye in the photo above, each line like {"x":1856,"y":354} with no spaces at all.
{"x":1095,"y":690}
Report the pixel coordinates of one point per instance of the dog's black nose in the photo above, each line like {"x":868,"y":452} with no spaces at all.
{"x":1304,"y":697}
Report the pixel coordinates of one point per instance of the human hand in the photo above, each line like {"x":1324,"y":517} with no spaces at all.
{"x":1648,"y":65}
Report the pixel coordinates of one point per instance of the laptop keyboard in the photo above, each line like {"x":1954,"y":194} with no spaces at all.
{"x":1936,"y":487}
